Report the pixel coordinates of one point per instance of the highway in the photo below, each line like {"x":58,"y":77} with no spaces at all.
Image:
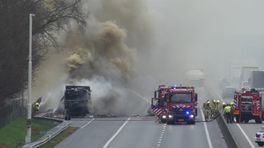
{"x":243,"y":133}
{"x":143,"y":132}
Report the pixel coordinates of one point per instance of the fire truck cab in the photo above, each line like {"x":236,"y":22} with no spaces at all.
{"x":181,"y":104}
{"x":247,"y":106}
{"x":159,"y":95}
{"x":158,"y":103}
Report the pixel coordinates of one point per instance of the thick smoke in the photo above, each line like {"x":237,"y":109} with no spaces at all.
{"x":217,"y":36}
{"x":104,"y":53}
{"x":50,"y":79}
{"x":101,"y":54}
{"x":143,"y":43}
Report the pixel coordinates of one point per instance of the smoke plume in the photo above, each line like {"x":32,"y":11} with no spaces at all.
{"x":101,"y":54}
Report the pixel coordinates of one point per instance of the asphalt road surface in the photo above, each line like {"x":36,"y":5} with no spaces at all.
{"x":144,"y":132}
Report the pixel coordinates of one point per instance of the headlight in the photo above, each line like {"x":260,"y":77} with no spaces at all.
{"x":170,"y":116}
{"x":164,"y":117}
{"x":191,"y":116}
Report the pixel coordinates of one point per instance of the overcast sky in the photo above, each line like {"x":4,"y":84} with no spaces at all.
{"x":208,"y":34}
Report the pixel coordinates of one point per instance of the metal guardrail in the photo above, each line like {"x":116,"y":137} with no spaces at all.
{"x":230,"y":141}
{"x":51,"y":133}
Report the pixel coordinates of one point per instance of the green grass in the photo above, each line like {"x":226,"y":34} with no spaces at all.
{"x":13,"y":134}
{"x":59,"y":138}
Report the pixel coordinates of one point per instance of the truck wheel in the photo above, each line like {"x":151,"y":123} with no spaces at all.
{"x":162,"y":120}
{"x":84,"y":112}
{"x":260,"y":143}
{"x":258,"y":121}
{"x":237,"y":119}
{"x":67,"y":117}
{"x":246,"y":120}
{"x":87,"y":111}
{"x":191,"y":122}
{"x":169,"y":122}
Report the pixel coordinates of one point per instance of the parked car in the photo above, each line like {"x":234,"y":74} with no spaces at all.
{"x":259,"y":139}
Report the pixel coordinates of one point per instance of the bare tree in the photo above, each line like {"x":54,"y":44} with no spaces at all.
{"x":51,"y":15}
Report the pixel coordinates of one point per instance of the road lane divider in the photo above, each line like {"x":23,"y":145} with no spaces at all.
{"x":244,"y":133}
{"x":161,"y":135}
{"x":116,"y":133}
{"x":87,"y":123}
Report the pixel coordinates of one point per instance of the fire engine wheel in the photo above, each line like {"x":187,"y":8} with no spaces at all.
{"x":260,"y":143}
{"x":237,"y":119}
{"x":246,"y":120}
{"x":170,"y":122}
{"x":162,"y":121}
{"x":191,"y":122}
{"x":258,"y":121}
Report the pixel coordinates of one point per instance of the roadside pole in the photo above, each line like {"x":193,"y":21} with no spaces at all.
{"x":29,"y":107}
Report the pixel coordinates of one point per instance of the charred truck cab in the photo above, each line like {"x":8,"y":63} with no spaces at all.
{"x":181,"y":105}
{"x":248,"y":106}
{"x":77,"y":100}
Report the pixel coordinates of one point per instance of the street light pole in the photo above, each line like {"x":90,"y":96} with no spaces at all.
{"x":29,"y":107}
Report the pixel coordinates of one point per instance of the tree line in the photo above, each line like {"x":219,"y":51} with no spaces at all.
{"x":51,"y":15}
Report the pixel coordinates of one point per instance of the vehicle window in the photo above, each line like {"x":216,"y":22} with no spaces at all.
{"x":181,"y":98}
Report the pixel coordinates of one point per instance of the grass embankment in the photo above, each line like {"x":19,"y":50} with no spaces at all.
{"x":13,"y":134}
{"x":59,"y":138}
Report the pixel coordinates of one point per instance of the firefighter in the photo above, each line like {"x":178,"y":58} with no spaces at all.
{"x":214,"y":108}
{"x":227,"y":113}
{"x":207,"y":108}
{"x":36,"y":106}
{"x":223,"y":104}
{"x":232,"y":104}
{"x":207,"y":105}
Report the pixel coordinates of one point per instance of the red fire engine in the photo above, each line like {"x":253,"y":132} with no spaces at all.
{"x":158,"y":102}
{"x":181,"y":103}
{"x":247,"y":106}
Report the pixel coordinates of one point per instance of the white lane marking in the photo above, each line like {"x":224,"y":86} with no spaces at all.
{"x":206,"y":131}
{"x":161,"y":136}
{"x":116,"y":133}
{"x":158,"y":145}
{"x":87,"y":123}
{"x":243,"y":132}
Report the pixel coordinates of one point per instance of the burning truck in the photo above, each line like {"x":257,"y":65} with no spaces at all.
{"x":77,"y":101}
